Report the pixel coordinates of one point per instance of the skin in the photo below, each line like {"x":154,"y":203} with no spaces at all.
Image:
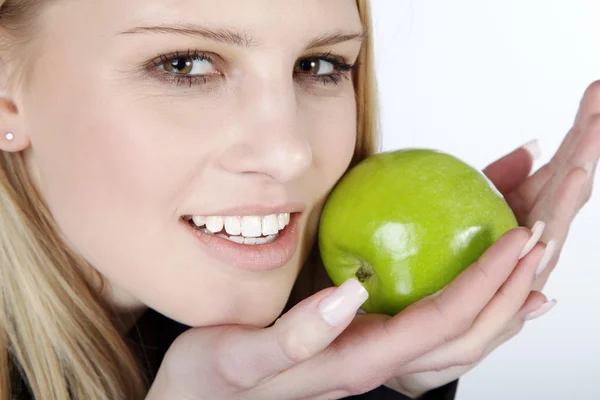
{"x":120,"y":154}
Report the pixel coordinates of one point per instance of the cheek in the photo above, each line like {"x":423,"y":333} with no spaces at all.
{"x":102,"y":173}
{"x":332,"y":134}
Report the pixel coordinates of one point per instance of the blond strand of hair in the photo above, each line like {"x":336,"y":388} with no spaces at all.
{"x":55,"y":329}
{"x":56,"y":326}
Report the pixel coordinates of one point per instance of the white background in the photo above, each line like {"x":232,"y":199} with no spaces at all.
{"x":477,"y":79}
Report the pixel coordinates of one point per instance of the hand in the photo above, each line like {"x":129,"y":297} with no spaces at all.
{"x":321,"y":350}
{"x":554,"y":195}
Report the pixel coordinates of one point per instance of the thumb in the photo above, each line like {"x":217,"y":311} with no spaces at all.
{"x":251,"y":356}
{"x":510,"y":171}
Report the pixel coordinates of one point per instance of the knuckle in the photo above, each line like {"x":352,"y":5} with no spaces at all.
{"x":593,"y":124}
{"x":452,"y":327}
{"x":516,"y":329}
{"x":461,"y":327}
{"x":239,"y":381}
{"x":231,"y":370}
{"x":480,"y":268}
{"x":294,"y":346}
{"x":441,"y":318}
{"x":472,"y":355}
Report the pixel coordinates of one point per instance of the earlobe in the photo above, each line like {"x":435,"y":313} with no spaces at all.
{"x":12,"y":142}
{"x":10,"y":139}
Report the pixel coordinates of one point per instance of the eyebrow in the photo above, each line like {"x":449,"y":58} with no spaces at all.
{"x":242,"y":39}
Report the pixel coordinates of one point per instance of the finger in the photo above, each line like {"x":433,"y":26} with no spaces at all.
{"x":510,"y":171}
{"x":534,"y":302}
{"x":365,"y":354}
{"x":525,"y":206}
{"x":563,"y":205}
{"x":589,"y":104}
{"x":490,"y":324}
{"x":581,"y":138}
{"x":584,"y":156}
{"x":531,"y":191}
{"x":580,"y":147}
{"x":247,"y":357}
{"x":442,"y":318}
{"x":425,"y":377}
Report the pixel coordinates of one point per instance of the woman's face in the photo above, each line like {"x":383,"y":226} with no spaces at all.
{"x":141,"y":113}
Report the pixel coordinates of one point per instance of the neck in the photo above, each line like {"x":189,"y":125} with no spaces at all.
{"x":126,"y":319}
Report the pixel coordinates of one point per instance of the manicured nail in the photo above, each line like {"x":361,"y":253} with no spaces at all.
{"x":541,"y":311}
{"x":589,"y":167}
{"x":343,"y":302}
{"x":546,"y":258}
{"x":536,"y":234}
{"x":533,"y":148}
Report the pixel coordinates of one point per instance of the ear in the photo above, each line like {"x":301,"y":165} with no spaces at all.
{"x":13,"y":135}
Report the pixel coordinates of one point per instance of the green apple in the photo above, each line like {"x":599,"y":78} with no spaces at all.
{"x":405,"y":223}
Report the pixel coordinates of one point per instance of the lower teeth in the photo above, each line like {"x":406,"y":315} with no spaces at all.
{"x":244,"y":240}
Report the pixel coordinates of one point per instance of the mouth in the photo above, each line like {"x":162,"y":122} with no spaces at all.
{"x":248,"y":230}
{"x":255,"y":243}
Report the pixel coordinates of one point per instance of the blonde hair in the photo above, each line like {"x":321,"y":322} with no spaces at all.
{"x":54,"y":325}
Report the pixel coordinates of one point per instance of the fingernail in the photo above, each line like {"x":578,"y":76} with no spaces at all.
{"x":546,"y":258}
{"x":533,"y":148}
{"x":541,"y":311}
{"x":343,"y":302}
{"x":589,"y":167}
{"x":536,"y":234}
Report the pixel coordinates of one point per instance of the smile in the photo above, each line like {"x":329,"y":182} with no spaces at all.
{"x":252,"y":242}
{"x":248,"y":230}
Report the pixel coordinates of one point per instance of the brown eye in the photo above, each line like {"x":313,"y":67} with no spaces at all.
{"x":314,"y":66}
{"x":182,"y":65}
{"x":187,"y":65}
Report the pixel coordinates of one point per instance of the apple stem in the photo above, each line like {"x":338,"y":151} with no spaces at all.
{"x":364,"y":271}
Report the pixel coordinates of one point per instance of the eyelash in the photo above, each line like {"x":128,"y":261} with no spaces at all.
{"x":341,"y":69}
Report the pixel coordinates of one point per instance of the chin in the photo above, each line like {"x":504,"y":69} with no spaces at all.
{"x":258,"y":313}
{"x":256,"y":319}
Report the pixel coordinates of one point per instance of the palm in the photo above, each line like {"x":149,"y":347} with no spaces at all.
{"x":557,"y":191}
{"x":553,"y":194}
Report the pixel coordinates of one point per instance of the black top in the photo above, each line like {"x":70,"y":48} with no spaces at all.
{"x":156,"y":332}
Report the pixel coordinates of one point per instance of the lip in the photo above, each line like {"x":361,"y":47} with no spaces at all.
{"x":257,"y":210}
{"x":258,"y":257}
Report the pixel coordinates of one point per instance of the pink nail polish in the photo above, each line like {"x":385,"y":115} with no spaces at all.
{"x":541,"y":311}
{"x":343,"y":302}
{"x":548,"y":253}
{"x":536,"y":233}
{"x":533,"y":148}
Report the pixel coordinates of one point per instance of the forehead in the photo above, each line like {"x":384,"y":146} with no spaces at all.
{"x":254,"y":17}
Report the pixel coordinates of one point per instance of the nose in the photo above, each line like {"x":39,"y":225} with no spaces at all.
{"x":269,"y":137}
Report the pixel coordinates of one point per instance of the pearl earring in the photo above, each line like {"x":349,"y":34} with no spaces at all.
{"x":10,"y":136}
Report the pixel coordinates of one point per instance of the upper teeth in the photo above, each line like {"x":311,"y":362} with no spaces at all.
{"x":248,"y":226}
